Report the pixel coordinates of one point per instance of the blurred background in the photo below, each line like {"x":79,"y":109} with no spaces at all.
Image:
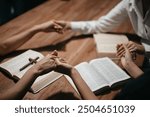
{"x":10,"y":9}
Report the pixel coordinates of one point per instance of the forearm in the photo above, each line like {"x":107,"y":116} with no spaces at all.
{"x":105,"y":23}
{"x":19,"y":90}
{"x":133,"y":69}
{"x":16,"y":41}
{"x":82,"y":87}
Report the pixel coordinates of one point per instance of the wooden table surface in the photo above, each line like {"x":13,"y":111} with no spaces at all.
{"x":72,"y":46}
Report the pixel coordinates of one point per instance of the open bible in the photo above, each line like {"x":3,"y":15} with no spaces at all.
{"x":18,"y":66}
{"x":101,"y":74}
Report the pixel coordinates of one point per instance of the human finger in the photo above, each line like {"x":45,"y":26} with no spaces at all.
{"x":118,"y":46}
{"x":121,"y":54}
{"x":55,"y":53}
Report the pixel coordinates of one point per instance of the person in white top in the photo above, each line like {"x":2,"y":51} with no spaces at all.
{"x":137,"y":10}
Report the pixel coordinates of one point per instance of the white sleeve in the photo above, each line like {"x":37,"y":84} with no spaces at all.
{"x":105,"y":23}
{"x":146,"y":46}
{"x":147,"y":49}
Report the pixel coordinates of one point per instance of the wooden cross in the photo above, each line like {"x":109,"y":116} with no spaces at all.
{"x":31,"y":61}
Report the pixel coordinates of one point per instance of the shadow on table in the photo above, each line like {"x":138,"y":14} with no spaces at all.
{"x":59,"y":46}
{"x":62,"y":96}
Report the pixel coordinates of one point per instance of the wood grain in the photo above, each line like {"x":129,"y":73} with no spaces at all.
{"x":74,"y":47}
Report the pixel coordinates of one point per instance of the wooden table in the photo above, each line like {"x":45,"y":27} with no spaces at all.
{"x":72,"y":46}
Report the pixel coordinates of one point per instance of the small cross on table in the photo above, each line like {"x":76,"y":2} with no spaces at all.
{"x":31,"y":61}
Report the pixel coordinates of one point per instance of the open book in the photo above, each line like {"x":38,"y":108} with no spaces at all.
{"x":107,"y":42}
{"x":101,"y":73}
{"x":17,"y":66}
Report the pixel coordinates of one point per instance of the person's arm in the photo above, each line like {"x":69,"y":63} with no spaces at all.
{"x":133,"y":69}
{"x":21,"y":87}
{"x":104,"y":24}
{"x":129,"y":65}
{"x":84,"y":90}
{"x":16,"y":41}
{"x":82,"y":87}
{"x":19,"y":90}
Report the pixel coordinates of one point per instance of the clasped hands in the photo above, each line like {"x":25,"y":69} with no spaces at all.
{"x":128,"y":52}
{"x":53,"y":26}
{"x":133,"y":48}
{"x":52,"y":62}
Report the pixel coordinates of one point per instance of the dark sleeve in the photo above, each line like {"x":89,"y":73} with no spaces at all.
{"x":136,"y":89}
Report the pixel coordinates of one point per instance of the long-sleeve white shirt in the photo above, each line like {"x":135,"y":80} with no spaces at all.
{"x":126,"y":8}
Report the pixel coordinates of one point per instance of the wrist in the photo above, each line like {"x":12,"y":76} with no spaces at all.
{"x":36,"y":69}
{"x":141,"y":49}
{"x":72,"y":71}
{"x":34,"y":72}
{"x":133,"y":70}
{"x":68,"y":25}
{"x":128,"y":64}
{"x":37,"y":28}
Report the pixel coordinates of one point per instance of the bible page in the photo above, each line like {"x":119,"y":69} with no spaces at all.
{"x":109,"y":70}
{"x":44,"y":80}
{"x":91,"y":77}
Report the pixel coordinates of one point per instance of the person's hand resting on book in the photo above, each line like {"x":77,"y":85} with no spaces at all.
{"x":128,"y":63}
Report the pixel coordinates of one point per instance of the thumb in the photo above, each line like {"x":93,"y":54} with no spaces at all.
{"x":127,"y":52}
{"x":57,"y":26}
{"x":55,"y":53}
{"x":61,"y":23}
{"x":118,"y":45}
{"x":57,"y":61}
